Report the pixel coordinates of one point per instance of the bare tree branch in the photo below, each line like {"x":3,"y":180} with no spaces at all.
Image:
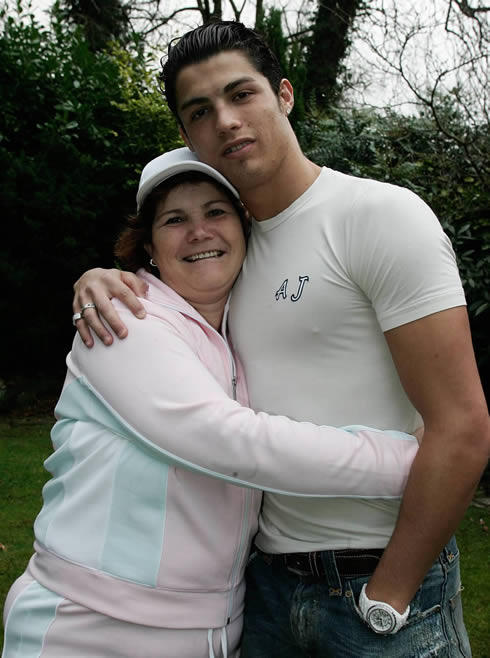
{"x":435,"y":56}
{"x":471,"y":12}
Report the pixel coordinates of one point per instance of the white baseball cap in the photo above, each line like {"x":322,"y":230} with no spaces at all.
{"x":171,"y":163}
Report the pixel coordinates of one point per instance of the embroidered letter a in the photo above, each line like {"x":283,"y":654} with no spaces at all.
{"x":283,"y":290}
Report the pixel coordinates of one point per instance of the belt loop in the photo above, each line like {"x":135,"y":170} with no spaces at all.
{"x":314,"y":556}
{"x":333,"y":579}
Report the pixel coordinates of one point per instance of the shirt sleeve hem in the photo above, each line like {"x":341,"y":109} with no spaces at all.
{"x":421,"y":310}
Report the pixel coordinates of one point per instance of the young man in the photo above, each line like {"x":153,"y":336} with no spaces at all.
{"x":346,"y":282}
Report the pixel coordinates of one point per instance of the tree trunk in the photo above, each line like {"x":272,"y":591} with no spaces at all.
{"x":259,"y":14}
{"x":210,"y":14}
{"x":217,"y":13}
{"x":329,"y":44}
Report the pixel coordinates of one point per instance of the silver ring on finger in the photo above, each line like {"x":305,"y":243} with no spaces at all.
{"x":86,"y":306}
{"x":75,"y":317}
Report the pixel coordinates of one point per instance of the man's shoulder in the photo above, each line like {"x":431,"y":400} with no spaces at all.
{"x":371,"y":190}
{"x":366,"y":199}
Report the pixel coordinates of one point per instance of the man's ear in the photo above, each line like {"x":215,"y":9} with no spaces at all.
{"x":286,"y":95}
{"x":183,"y":134}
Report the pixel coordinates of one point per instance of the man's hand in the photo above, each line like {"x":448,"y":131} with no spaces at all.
{"x":99,"y":286}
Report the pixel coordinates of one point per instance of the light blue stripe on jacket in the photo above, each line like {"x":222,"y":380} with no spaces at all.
{"x":97,"y":467}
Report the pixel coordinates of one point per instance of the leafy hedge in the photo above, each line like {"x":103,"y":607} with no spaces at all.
{"x":75,"y":129}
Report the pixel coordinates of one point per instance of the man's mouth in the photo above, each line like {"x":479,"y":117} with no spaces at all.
{"x":237,"y":147}
{"x":203,"y":255}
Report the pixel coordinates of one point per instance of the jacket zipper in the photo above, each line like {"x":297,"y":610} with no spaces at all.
{"x":248,"y":492}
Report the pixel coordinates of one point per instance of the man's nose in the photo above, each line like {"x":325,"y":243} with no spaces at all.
{"x":227,"y":118}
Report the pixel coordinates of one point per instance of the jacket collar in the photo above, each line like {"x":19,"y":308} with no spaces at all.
{"x":162,"y":295}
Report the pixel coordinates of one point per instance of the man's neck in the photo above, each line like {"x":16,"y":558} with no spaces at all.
{"x":279,"y":191}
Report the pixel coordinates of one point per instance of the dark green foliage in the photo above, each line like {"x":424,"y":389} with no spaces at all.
{"x":292,"y":56}
{"x":101,"y":20}
{"x":76,"y":127}
{"x":411,"y":152}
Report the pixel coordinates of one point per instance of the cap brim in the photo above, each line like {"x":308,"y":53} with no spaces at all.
{"x":178,"y":168}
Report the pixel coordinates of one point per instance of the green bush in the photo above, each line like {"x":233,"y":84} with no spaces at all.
{"x":75,"y":130}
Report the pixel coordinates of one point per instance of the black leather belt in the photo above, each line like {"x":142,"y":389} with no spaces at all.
{"x":350,"y":563}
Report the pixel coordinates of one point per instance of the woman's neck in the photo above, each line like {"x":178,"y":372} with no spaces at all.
{"x":212,"y":312}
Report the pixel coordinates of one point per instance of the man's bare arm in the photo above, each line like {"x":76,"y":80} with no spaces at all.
{"x":99,"y":286}
{"x":435,"y":361}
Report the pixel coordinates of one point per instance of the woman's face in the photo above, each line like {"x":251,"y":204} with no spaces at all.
{"x":197,"y":242}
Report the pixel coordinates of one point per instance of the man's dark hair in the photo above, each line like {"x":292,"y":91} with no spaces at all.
{"x":208,"y":40}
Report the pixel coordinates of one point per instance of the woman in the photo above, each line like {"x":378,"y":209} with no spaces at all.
{"x":143,"y":536}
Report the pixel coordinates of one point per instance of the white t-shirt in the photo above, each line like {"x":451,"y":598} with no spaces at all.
{"x":349,"y":259}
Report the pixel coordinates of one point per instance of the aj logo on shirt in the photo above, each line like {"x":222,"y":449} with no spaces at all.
{"x":282,"y":292}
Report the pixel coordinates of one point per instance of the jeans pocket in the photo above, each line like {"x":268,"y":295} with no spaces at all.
{"x":426,"y":602}
{"x":352,"y":591}
{"x":429,"y":596}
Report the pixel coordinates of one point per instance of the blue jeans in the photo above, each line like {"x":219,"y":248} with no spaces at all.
{"x":288,"y":617}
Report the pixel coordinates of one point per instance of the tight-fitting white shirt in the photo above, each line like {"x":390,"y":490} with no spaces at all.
{"x":349,"y":259}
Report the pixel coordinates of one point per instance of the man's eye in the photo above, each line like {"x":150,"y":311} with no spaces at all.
{"x":242,"y":95}
{"x":198,"y":114}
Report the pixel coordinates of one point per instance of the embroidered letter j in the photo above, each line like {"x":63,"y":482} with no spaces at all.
{"x":302,"y":281}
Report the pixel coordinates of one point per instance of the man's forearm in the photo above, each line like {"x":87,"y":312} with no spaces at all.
{"x":440,"y":487}
{"x":435,"y":361}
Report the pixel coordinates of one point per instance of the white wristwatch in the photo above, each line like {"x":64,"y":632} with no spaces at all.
{"x":380,"y":616}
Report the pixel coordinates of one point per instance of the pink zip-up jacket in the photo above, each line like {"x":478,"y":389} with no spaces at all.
{"x":143,"y":519}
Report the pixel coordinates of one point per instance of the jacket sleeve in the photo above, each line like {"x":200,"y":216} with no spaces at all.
{"x":164,"y":397}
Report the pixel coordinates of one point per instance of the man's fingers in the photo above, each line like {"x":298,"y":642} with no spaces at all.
{"x":84,"y":332}
{"x":90,"y":321}
{"x":103,"y":285}
{"x":102,"y":319}
{"x":138,"y":286}
{"x":127,"y":292}
{"x":93,"y":293}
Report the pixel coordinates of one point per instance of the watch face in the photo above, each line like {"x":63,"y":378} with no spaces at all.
{"x":381,"y":620}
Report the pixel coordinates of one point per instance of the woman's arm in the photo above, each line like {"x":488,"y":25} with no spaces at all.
{"x":162,"y":395}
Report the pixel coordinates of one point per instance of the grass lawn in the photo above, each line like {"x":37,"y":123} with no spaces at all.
{"x":25,"y":443}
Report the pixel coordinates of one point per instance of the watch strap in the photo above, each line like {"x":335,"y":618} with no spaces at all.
{"x":370,"y":608}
